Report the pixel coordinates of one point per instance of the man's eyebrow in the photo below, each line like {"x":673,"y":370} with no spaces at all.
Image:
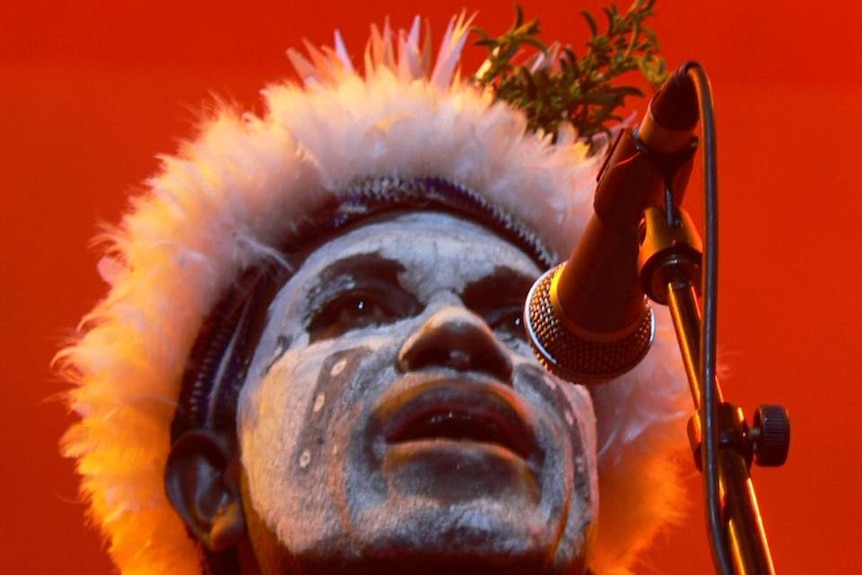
{"x":364,"y":264}
{"x":503,"y":284}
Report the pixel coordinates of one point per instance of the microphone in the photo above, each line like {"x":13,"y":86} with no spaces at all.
{"x":588,"y":319}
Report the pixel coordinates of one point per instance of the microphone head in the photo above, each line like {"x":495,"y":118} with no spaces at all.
{"x":578,"y":356}
{"x":675,"y":106}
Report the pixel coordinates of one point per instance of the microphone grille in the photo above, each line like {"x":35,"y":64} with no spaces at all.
{"x":578,"y":358}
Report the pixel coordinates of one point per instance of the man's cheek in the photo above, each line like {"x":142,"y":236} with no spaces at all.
{"x":340,"y":382}
{"x":539,"y":388}
{"x":292,"y":428}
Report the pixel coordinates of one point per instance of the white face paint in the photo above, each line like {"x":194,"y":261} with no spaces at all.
{"x":394,"y":414}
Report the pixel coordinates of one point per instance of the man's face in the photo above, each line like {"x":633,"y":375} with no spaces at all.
{"x":394,"y":415}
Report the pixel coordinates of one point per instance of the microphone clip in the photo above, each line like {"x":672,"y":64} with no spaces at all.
{"x":670,"y":252}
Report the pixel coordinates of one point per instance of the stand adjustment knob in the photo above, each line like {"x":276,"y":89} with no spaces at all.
{"x":770,"y":435}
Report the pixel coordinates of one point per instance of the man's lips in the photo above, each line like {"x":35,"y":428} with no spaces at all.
{"x":456,"y":411}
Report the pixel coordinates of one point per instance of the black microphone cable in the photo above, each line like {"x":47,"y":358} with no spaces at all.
{"x":708,"y":329}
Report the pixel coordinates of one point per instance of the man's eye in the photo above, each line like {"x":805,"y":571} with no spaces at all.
{"x":355,"y":310}
{"x":508,"y":323}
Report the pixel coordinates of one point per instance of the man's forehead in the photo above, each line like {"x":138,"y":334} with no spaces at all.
{"x":422,"y":245}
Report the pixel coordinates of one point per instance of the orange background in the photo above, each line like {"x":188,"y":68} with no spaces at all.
{"x":91,"y":90}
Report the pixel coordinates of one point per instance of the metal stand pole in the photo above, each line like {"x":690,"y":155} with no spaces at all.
{"x":669,"y":269}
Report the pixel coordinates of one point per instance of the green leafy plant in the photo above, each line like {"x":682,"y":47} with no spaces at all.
{"x":553,"y":85}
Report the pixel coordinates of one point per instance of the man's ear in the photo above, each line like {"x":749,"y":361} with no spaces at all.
{"x":202,"y":484}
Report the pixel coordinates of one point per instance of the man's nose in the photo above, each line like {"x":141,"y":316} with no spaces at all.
{"x":455,"y":337}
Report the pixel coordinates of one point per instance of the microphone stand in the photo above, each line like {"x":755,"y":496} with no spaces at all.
{"x":639,"y":169}
{"x":670,"y":262}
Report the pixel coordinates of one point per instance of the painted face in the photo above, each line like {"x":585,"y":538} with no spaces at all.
{"x":395,"y":417}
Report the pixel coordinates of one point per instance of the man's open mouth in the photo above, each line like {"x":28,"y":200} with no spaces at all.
{"x":457,"y":411}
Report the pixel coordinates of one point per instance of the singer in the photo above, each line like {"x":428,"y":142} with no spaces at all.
{"x":311,"y":358}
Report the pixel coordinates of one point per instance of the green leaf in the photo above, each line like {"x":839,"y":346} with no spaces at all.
{"x":581,"y":90}
{"x":591,"y":22}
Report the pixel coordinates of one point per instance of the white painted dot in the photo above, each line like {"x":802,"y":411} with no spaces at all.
{"x":318,"y":402}
{"x":304,"y":459}
{"x":338,"y":367}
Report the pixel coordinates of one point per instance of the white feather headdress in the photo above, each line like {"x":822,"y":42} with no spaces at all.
{"x":236,"y":193}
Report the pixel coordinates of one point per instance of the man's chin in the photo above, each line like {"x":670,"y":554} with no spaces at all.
{"x":482,"y":535}
{"x":436,"y":564}
{"x":470,"y":538}
{"x":448,"y":507}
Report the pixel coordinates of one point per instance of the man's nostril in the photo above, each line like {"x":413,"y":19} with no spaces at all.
{"x":456,"y":338}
